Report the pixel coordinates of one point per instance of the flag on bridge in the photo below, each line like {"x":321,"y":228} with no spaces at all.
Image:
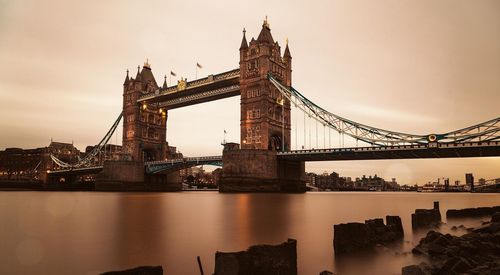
{"x":172,"y":73}
{"x":225,"y":132}
{"x":198,"y":65}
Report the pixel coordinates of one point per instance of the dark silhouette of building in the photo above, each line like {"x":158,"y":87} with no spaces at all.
{"x":26,"y":164}
{"x":469,"y":180}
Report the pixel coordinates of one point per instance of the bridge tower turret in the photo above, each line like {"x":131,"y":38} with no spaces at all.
{"x":265,"y":114}
{"x":144,"y":126}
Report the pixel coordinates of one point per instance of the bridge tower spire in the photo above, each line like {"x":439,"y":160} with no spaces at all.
{"x":265,"y":114}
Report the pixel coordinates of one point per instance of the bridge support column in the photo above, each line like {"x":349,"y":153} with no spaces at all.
{"x":164,"y":182}
{"x":250,"y":170}
{"x":126,"y":175}
{"x":121,"y":175}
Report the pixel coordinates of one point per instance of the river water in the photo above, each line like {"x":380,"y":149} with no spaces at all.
{"x":92,"y":232}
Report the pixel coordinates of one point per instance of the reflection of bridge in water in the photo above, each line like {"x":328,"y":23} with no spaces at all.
{"x":263,"y":160}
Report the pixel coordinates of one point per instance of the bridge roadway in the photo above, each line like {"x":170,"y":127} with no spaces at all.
{"x":76,"y":171}
{"x":212,"y":87}
{"x":432,"y":150}
{"x":153,"y":167}
{"x":437,"y":150}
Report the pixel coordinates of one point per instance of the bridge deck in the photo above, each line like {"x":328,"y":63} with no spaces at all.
{"x":76,"y":171}
{"x":461,"y":150}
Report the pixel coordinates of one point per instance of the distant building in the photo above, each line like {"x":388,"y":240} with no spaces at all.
{"x":23,"y":164}
{"x":469,"y":181}
{"x":311,"y":179}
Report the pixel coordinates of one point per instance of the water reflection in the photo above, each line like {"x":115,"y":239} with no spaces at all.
{"x":87,"y":233}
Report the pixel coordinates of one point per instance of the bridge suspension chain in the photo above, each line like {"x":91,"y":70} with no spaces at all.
{"x":483,"y":132}
{"x":86,"y":161}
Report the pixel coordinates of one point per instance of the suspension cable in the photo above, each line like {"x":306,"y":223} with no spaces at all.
{"x":489,"y":130}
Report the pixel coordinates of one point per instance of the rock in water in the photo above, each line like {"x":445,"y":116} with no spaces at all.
{"x":355,"y":237}
{"x":472,"y":212}
{"x":352,"y":237}
{"x":259,"y":259}
{"x":141,"y":270}
{"x":412,"y":270}
{"x":426,"y":217}
{"x":495,"y":217}
{"x":477,"y":252}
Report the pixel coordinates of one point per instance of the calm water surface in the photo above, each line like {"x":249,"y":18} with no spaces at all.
{"x":88,"y":233}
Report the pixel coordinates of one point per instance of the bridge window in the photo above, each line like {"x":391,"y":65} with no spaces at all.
{"x":130,"y":133}
{"x":253,"y":135}
{"x":253,"y":93}
{"x":253,"y":114}
{"x":253,"y":64}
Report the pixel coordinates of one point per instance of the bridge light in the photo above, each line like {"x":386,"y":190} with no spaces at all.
{"x":144,"y":106}
{"x":160,"y":111}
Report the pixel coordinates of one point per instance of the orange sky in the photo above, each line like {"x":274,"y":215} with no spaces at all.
{"x":411,"y":66}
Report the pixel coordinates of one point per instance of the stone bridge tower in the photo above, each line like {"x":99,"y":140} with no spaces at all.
{"x":144,"y":126}
{"x":265,"y":113}
{"x":265,"y":123}
{"x":144,"y":139}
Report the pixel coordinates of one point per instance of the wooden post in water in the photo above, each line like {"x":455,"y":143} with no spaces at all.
{"x":199,"y":265}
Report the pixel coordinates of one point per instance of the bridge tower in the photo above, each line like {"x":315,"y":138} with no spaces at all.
{"x":265,"y":113}
{"x":265,"y":123}
{"x":144,"y":139}
{"x":144,"y":126}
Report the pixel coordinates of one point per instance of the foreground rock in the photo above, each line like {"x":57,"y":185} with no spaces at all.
{"x":142,"y":270}
{"x":495,"y":217}
{"x":412,"y":270}
{"x":426,"y":217}
{"x":356,"y":237}
{"x":477,"y":252}
{"x":472,"y":212}
{"x":259,"y":259}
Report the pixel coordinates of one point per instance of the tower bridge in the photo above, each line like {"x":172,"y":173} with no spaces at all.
{"x":264,"y":159}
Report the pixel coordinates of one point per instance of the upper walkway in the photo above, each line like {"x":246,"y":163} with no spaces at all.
{"x":212,"y":87}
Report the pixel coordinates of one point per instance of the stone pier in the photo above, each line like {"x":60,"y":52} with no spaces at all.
{"x":250,"y":170}
{"x":126,"y":175}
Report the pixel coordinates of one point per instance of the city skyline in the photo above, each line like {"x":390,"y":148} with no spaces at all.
{"x":391,"y":69}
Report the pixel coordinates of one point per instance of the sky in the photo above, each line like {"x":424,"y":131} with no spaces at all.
{"x":410,"y":66}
